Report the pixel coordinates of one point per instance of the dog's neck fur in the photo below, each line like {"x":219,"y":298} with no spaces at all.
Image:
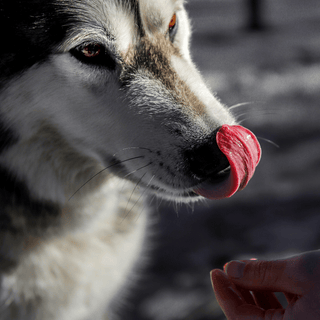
{"x":58,"y":209}
{"x":57,"y":232}
{"x":55,"y":188}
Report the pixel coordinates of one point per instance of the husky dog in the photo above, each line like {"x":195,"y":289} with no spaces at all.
{"x":100,"y":105}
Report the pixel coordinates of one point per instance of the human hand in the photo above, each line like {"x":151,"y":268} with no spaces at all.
{"x":245,"y":291}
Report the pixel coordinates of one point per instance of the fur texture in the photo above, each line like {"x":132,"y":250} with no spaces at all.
{"x":100,"y":105}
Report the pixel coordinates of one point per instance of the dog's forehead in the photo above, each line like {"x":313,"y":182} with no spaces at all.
{"x":120,"y":20}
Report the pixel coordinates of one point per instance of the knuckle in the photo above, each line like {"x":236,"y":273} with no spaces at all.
{"x":261,"y":271}
{"x":267,"y":273}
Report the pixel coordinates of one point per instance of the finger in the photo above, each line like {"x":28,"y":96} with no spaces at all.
{"x":225,"y":293}
{"x":230,"y":301}
{"x":266,"y":300}
{"x":276,"y":276}
{"x":246,"y":294}
{"x":290,"y":296}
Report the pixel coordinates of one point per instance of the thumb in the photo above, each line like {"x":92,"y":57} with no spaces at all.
{"x":262,"y":275}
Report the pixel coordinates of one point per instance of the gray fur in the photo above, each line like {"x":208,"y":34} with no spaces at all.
{"x":85,"y":143}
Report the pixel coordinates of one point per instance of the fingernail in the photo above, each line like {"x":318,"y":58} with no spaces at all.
{"x":225,"y":266}
{"x":235,"y":269}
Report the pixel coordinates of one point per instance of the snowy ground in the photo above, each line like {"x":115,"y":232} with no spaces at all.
{"x":278,"y":73}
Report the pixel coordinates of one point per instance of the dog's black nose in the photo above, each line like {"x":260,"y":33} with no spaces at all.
{"x":206,"y":160}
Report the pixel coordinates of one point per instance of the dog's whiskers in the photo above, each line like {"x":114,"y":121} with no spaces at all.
{"x":252,"y":116}
{"x":190,"y":205}
{"x":134,"y":171}
{"x":142,"y":193}
{"x":134,"y":189}
{"x":241,"y":115}
{"x":154,"y":196}
{"x":269,"y":141}
{"x":250,"y":112}
{"x":241,"y":104}
{"x":112,"y":165}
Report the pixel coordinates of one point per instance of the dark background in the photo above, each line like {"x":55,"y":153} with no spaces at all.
{"x":276,"y":71}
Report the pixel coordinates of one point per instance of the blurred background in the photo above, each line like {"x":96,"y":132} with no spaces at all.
{"x":265,"y":56}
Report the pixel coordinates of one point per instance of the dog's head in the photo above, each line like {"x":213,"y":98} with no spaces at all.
{"x":116,"y":81}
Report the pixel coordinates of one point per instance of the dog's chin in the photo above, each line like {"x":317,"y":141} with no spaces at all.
{"x":189,"y":194}
{"x":175,"y":195}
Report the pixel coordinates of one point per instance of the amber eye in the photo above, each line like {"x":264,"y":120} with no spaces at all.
{"x":173,"y":22}
{"x":91,"y":50}
{"x":173,"y":27}
{"x":94,"y":54}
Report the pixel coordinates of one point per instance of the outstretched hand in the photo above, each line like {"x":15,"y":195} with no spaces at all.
{"x":246,"y":289}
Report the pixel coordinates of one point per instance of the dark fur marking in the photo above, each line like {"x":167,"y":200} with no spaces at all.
{"x":32,"y":29}
{"x":21,"y":216}
{"x":7,"y":137}
{"x":137,"y":17}
{"x":135,"y":9}
{"x":15,"y":193}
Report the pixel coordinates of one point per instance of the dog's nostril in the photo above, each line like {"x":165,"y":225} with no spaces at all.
{"x":206,"y":160}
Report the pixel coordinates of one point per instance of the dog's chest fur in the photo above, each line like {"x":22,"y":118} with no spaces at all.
{"x":73,"y":275}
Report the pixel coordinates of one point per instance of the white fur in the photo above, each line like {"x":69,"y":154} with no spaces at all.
{"x":73,"y":122}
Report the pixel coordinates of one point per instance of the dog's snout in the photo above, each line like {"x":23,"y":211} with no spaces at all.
{"x":206,"y":160}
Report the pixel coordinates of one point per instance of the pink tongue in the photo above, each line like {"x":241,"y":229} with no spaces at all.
{"x":243,"y":152}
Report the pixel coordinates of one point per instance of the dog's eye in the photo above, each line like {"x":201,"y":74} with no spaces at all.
{"x":94,"y":54}
{"x":88,"y":51}
{"x":91,"y":50}
{"x":173,"y":21}
{"x":173,"y":26}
